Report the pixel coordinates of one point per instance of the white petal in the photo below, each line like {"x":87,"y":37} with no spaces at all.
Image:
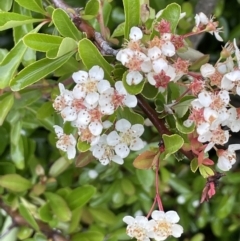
{"x":238,"y":89}
{"x":205,"y":137}
{"x":120,"y":88}
{"x":224,"y":95}
{"x":137,"y":144}
{"x":217,"y":36}
{"x":158,"y":215}
{"x":224,"y":164}
{"x":83,"y":117}
{"x":209,"y":146}
{"x":80,"y":76}
{"x":154,"y":53}
{"x":107,"y":124}
{"x":150,"y":78}
{"x":234,"y":147}
{"x":177,"y":230}
{"x":168,"y":49}
{"x":172,"y":217}
{"x":135,"y":33}
{"x":58,"y":130}
{"x":159,"y":65}
{"x":130,"y":101}
{"x":205,"y":98}
{"x":122,"y":150}
{"x":128,"y":220}
{"x":203,"y":128}
{"x":92,"y":98}
{"x":146,"y":66}
{"x":98,"y":151}
{"x":69,"y":114}
{"x":226,"y":83}
{"x":117,"y":160}
{"x":210,"y":114}
{"x":134,"y":78}
{"x":104,"y":161}
{"x":207,"y":70}
{"x":78,"y":91}
{"x":103,"y":85}
{"x":95,"y":128}
{"x":113,"y":138}
{"x":71,"y":152}
{"x":122,"y":125}
{"x":96,"y":73}
{"x":138,"y":129}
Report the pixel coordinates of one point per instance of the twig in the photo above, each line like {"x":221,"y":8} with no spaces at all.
{"x":18,"y":220}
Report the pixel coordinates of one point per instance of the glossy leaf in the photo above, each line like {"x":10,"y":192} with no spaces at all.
{"x":103,"y":215}
{"x":42,"y":42}
{"x":6,"y":5}
{"x":194,"y":165}
{"x":28,"y":216}
{"x":149,"y":91}
{"x":80,"y":196}
{"x":59,"y":207}
{"x":132,"y":15}
{"x":172,"y":14}
{"x":11,"y":20}
{"x":33,"y":5}
{"x":90,"y":236}
{"x":91,"y":56}
{"x":59,"y":166}
{"x":36,"y":71}
{"x":5,"y":106}
{"x":17,"y":154}
{"x":129,"y":115}
{"x":145,"y":177}
{"x":92,"y":7}
{"x":83,"y":146}
{"x":64,"y":25}
{"x":172,"y":144}
{"x":119,"y":30}
{"x":145,"y":160}
{"x":11,"y":62}
{"x":15,"y":183}
{"x":206,"y":171}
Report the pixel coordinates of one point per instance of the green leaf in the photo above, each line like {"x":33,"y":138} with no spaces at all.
{"x":127,"y":187}
{"x":199,"y":62}
{"x":182,"y":107}
{"x":42,"y":42}
{"x":103,"y":215}
{"x":64,"y":25}
{"x":128,"y":114}
{"x":91,"y":56}
{"x":80,"y":196}
{"x":59,"y":207}
{"x":33,"y":5}
{"x":179,"y":186}
{"x":172,"y":144}
{"x":5,"y":106}
{"x":7,"y":167}
{"x":28,"y":217}
{"x":3,"y":53}
{"x":225,"y":206}
{"x":92,"y":7}
{"x":6,"y":5}
{"x":206,"y":171}
{"x":132,"y":89}
{"x":172,"y":14}
{"x":132,"y":15}
{"x":83,"y":146}
{"x":15,"y":183}
{"x":182,"y":128}
{"x":89,"y":236}
{"x":10,"y":63}
{"x":67,"y":45}
{"x":37,"y":71}
{"x":24,"y":233}
{"x":45,"y":212}
{"x":20,"y":31}
{"x":149,"y":91}
{"x":145,"y":177}
{"x":11,"y":20}
{"x":194,"y":165}
{"x":17,"y":154}
{"x":59,"y":166}
{"x":119,"y":30}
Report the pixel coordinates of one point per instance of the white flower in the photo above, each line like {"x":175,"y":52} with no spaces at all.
{"x":112,"y":98}
{"x":124,"y":55}
{"x":65,"y":143}
{"x":226,"y":158}
{"x":233,"y":122}
{"x":164,"y":225}
{"x":135,"y":34}
{"x":154,"y":53}
{"x":201,"y":18}
{"x":137,"y":227}
{"x":134,"y":78}
{"x":229,"y":79}
{"x":90,"y":84}
{"x":207,"y":70}
{"x":168,"y":49}
{"x":104,"y":152}
{"x":127,"y":139}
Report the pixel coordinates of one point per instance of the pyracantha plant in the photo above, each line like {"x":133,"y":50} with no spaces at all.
{"x":153,"y":78}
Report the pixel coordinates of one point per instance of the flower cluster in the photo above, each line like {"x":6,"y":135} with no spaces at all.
{"x":161,"y":226}
{"x":215,"y":117}
{"x":156,"y":61}
{"x":90,"y":101}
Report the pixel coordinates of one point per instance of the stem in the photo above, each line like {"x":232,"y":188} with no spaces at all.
{"x":101,"y":20}
{"x":159,"y":201}
{"x":158,"y":123}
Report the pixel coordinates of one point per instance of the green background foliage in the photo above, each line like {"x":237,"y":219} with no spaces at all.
{"x":41,"y":184}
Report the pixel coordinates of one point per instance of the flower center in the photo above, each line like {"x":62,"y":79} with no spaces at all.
{"x":163,"y":228}
{"x":136,"y":231}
